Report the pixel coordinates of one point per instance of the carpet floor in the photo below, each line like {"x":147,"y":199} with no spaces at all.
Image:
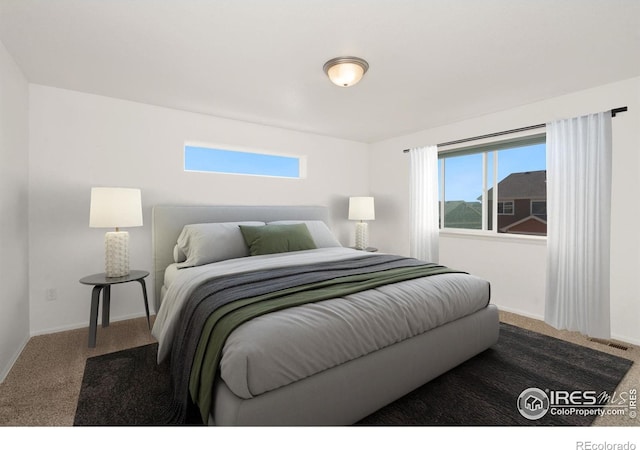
{"x":129,"y":388}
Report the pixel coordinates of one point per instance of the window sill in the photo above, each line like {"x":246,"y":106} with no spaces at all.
{"x":491,"y":236}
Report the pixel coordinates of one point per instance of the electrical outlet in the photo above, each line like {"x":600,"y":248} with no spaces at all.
{"x":51,"y":294}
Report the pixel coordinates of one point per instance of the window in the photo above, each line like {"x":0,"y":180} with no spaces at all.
{"x":505,"y":208}
{"x":539,"y":208}
{"x":513,"y":170}
{"x":204,"y":159}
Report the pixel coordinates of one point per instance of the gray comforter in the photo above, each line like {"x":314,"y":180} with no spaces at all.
{"x":280,"y":348}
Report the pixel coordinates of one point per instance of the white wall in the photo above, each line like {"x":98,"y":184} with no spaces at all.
{"x":14,"y":129}
{"x":78,"y":141}
{"x":516,"y":267}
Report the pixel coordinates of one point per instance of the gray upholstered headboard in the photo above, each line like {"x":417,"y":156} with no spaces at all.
{"x":168,"y":221}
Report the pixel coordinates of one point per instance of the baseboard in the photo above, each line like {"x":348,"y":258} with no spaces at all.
{"x":625,"y":339}
{"x":5,"y":371}
{"x":520,"y":312}
{"x":85,"y":324}
{"x":617,"y":337}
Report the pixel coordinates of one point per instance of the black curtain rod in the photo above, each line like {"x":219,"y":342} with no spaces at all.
{"x":614,"y":111}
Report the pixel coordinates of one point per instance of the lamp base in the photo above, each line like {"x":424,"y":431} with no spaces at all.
{"x":362,"y":235}
{"x":116,"y":252}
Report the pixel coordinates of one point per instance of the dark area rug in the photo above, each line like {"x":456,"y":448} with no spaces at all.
{"x":484,"y":390}
{"x":129,"y":388}
{"x":124,"y":388}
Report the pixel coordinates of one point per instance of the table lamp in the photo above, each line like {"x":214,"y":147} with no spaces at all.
{"x":361,"y":209}
{"x":115,"y":208}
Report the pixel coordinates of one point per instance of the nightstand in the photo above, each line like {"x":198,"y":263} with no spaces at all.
{"x":102,"y":283}
{"x":368,"y":249}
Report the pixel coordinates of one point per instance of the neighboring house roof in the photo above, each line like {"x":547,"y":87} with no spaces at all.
{"x":452,"y":205}
{"x":523,"y":185}
{"x":459,"y":213}
{"x":463,"y":207}
{"x":530,"y":224}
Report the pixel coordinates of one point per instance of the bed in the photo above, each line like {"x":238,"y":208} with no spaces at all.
{"x":333,"y":358}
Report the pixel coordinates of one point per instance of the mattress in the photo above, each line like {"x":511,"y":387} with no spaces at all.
{"x":170,"y":274}
{"x":283,"y":347}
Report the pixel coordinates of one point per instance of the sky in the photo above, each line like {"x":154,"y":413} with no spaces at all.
{"x":463,"y":177}
{"x":226,"y":161}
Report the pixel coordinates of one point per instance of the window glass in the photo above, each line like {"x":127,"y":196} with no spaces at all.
{"x":463,"y":185}
{"x":203,"y":159}
{"x":520,"y":183}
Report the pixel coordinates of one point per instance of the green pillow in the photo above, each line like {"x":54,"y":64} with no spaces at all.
{"x":267,"y":239}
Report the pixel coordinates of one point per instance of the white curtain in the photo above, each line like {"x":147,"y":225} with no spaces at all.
{"x":578,"y":227}
{"x":424,"y":203}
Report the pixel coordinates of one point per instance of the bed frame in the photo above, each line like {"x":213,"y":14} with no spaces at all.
{"x":344,"y":394}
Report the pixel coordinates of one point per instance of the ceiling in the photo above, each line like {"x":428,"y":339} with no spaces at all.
{"x":432,"y":62}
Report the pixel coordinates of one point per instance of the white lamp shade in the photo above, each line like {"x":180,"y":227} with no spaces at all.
{"x":361,"y":208}
{"x":115,"y":208}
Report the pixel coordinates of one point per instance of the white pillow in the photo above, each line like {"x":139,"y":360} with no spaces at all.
{"x":320,"y":232}
{"x":204,"y":243}
{"x":178,"y":255}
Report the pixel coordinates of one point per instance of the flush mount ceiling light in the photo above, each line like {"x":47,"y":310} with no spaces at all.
{"x":345,"y":71}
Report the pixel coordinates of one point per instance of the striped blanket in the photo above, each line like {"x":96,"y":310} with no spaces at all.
{"x":221,"y":304}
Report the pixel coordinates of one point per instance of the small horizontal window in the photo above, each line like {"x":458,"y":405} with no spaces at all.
{"x":505,"y":208}
{"x":204,"y":159}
